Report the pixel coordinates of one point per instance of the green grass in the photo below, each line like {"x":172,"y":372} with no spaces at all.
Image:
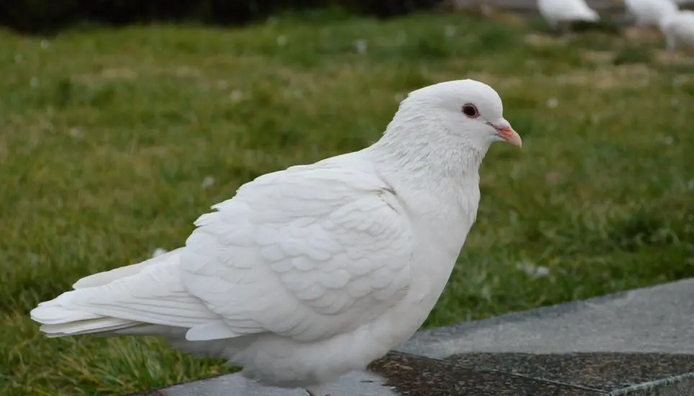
{"x":107,"y":135}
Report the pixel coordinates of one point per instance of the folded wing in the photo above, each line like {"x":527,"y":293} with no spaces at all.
{"x":305,"y":253}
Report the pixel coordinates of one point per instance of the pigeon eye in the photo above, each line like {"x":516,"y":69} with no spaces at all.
{"x":471,"y":111}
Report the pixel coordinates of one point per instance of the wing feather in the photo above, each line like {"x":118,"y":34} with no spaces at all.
{"x":306,"y":253}
{"x":154,"y":295}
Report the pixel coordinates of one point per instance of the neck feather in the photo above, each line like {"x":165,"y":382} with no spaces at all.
{"x":425,"y":155}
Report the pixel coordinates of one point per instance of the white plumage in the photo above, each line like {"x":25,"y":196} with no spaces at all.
{"x":650,"y":12}
{"x":556,"y":12}
{"x":678,"y":29}
{"x":315,"y":271}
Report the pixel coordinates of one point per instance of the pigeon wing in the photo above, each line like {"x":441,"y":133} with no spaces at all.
{"x":306,"y":253}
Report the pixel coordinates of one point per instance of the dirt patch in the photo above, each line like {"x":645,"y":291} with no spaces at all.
{"x":119,"y":73}
{"x":645,"y":34}
{"x":540,"y":40}
{"x":506,"y":17}
{"x":681,"y":58}
{"x":635,"y":75}
{"x":186,"y":71}
{"x":105,"y":74}
{"x":599,"y":57}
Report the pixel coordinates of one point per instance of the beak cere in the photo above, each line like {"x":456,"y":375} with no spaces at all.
{"x":506,"y":132}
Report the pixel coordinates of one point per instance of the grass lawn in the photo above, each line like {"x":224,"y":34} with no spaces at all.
{"x":112,"y":142}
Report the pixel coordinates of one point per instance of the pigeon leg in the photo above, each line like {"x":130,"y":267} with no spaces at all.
{"x":554,"y":27}
{"x":671,"y":46}
{"x":559,"y":29}
{"x":317,"y":391}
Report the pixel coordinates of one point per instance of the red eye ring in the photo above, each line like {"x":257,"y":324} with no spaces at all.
{"x":470,"y":110}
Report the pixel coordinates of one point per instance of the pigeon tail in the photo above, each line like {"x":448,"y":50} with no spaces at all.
{"x":139,"y":295}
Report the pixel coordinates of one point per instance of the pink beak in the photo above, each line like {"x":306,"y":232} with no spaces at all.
{"x":506,"y":132}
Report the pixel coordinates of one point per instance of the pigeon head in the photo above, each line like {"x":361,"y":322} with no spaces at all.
{"x":466,"y":109}
{"x":443,"y":132}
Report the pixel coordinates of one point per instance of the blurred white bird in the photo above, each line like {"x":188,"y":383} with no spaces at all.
{"x":314,"y":271}
{"x":560,"y":13}
{"x":678,"y":28}
{"x":484,"y":7}
{"x":650,"y":12}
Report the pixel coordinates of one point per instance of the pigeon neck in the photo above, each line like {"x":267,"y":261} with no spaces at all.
{"x":423,"y":154}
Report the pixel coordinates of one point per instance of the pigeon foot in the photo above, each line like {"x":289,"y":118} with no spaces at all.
{"x":317,"y":393}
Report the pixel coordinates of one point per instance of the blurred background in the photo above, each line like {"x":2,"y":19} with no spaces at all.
{"x":122,"y":121}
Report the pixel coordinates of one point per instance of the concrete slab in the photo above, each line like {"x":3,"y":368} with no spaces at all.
{"x":659,"y":319}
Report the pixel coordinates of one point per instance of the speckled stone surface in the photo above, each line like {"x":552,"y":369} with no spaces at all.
{"x":614,"y":373}
{"x":417,"y":376}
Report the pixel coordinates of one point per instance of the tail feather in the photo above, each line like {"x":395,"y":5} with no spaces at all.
{"x":145,"y":298}
{"x":103,"y":278}
{"x":58,"y":321}
{"x":102,"y":325}
{"x":51,"y":312}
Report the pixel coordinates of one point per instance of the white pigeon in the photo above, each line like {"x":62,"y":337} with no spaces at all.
{"x":650,"y":12}
{"x":678,"y":28}
{"x":558,"y":13}
{"x":315,"y":271}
